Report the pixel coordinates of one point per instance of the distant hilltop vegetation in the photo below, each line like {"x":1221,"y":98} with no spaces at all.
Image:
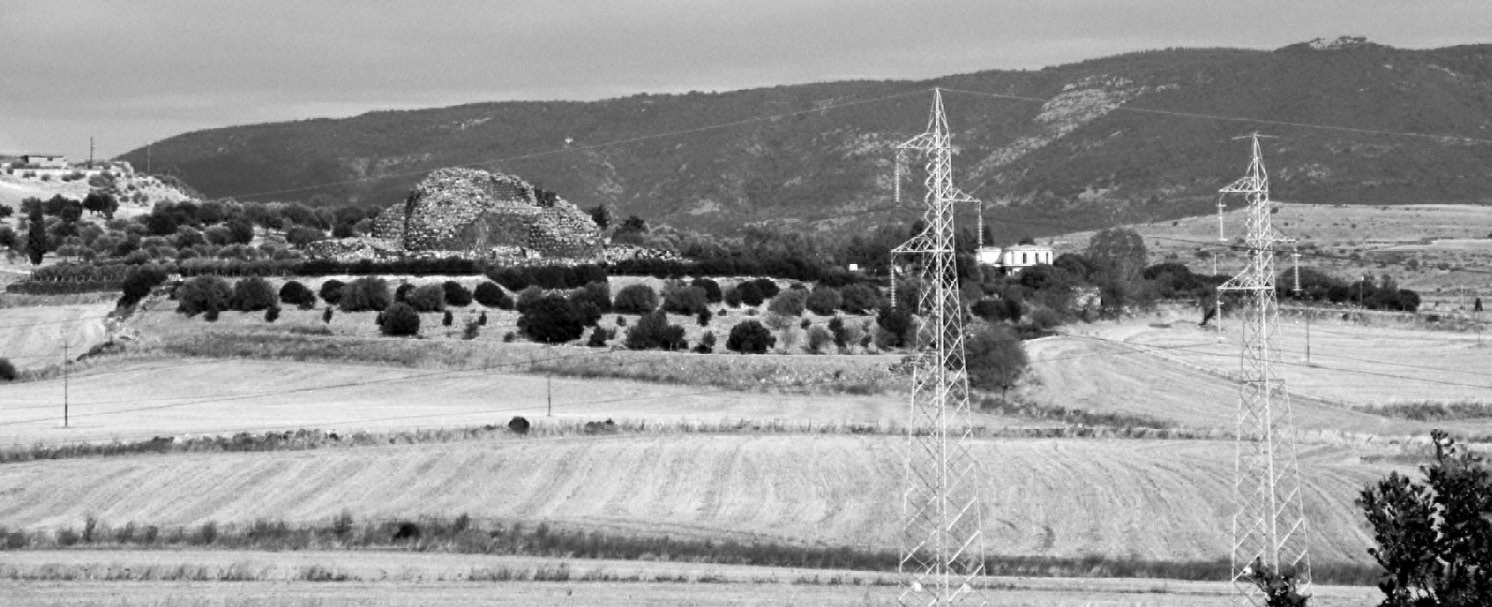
{"x":1087,"y":144}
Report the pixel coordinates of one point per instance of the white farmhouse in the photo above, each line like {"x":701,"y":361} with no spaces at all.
{"x":1011,"y":260}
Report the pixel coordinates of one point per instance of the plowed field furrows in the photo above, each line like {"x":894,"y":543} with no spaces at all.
{"x":140,"y":399}
{"x":31,"y":337}
{"x":1147,"y":499}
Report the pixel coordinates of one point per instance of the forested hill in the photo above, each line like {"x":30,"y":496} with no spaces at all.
{"x":1067,"y":158}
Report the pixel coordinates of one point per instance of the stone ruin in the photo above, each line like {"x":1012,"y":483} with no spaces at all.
{"x":474,"y":211}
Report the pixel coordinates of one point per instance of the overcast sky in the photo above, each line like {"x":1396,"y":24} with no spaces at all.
{"x":143,"y":70}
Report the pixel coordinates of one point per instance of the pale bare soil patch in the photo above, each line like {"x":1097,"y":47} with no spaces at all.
{"x":1150,"y":500}
{"x":32,"y":336}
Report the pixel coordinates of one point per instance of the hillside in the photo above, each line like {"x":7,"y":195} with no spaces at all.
{"x":825,"y":161}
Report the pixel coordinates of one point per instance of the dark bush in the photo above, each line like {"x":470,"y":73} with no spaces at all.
{"x":552,"y":320}
{"x":636,"y":299}
{"x":652,"y":332}
{"x":819,"y":340}
{"x":482,"y":318}
{"x":211,"y":315}
{"x":789,"y":303}
{"x":768,"y":287}
{"x":750,"y":293}
{"x":252,"y":294}
{"x":366,"y":293}
{"x":712,"y":289}
{"x":138,"y":283}
{"x":750,"y":337}
{"x":201,"y":294}
{"x":839,"y":331}
{"x":598,"y":338}
{"x":271,"y":314}
{"x":296,"y":294}
{"x":527,"y":297}
{"x":426,"y":298}
{"x":447,"y":319}
{"x":597,"y":294}
{"x":8,"y":370}
{"x":997,"y":310}
{"x":859,"y":299}
{"x":685,"y":300}
{"x":518,"y":425}
{"x":706,"y":343}
{"x":733,"y":297}
{"x":326,"y":316}
{"x":492,"y":296}
{"x":331,"y":291}
{"x":898,"y":324}
{"x":456,"y":294}
{"x":995,"y":358}
{"x":703,"y":318}
{"x":824,"y":301}
{"x":401,"y":319}
{"x":402,"y":291}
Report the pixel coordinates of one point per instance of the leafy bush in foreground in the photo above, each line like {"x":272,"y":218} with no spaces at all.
{"x":252,"y":294}
{"x":400,"y":319}
{"x":366,"y":293}
{"x":456,"y":294}
{"x":202,"y":294}
{"x":426,"y":298}
{"x":750,"y":337}
{"x":685,"y":300}
{"x":652,"y":332}
{"x":8,"y":370}
{"x":552,"y":320}
{"x":296,"y":294}
{"x":331,"y":291}
{"x":636,"y":299}
{"x":824,"y":301}
{"x":492,"y":296}
{"x":789,"y":303}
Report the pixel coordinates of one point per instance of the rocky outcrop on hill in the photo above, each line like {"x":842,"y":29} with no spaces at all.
{"x":471,"y":210}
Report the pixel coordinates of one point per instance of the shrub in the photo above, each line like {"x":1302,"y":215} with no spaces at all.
{"x":703,"y":318}
{"x":1044,"y":319}
{"x":201,"y":294}
{"x":489,"y":294}
{"x":712,"y":289}
{"x":401,"y":319}
{"x":326,"y":316}
{"x":898,"y":325}
{"x":518,"y":425}
{"x":598,"y":338}
{"x":789,"y":303}
{"x":750,"y":293}
{"x":685,"y":300}
{"x":447,"y":319}
{"x":426,"y":298}
{"x":472,"y":330}
{"x":597,"y":294}
{"x":366,"y":293}
{"x":824,"y":301}
{"x":767,"y":286}
{"x":527,"y":297}
{"x":1434,"y":537}
{"x":995,"y":358}
{"x":138,"y":283}
{"x":271,"y":314}
{"x":331,"y":291}
{"x":8,"y":370}
{"x":551,"y":319}
{"x":706,"y":343}
{"x":819,"y":339}
{"x":750,"y":337}
{"x":733,"y":297}
{"x":859,"y":299}
{"x":997,"y":310}
{"x":456,"y":294}
{"x":211,"y":315}
{"x":636,"y":299}
{"x":482,"y":318}
{"x":296,"y":294}
{"x":403,"y":291}
{"x":652,"y":332}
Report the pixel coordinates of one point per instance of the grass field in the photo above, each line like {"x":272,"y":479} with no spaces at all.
{"x":1153,"y":500}
{"x":32,"y":336}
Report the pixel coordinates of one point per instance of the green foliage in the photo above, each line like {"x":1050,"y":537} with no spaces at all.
{"x":598,"y":337}
{"x":296,"y":294}
{"x":271,"y":314}
{"x":365,"y":293}
{"x":1434,"y":537}
{"x":824,"y":301}
{"x":400,"y":319}
{"x":898,"y":324}
{"x":1119,"y":253}
{"x":636,"y":299}
{"x":527,"y":297}
{"x":489,"y":294}
{"x":447,"y":319}
{"x":331,"y":291}
{"x":859,"y":299}
{"x":596,"y":294}
{"x":427,"y":298}
{"x":819,"y":340}
{"x":750,"y":337}
{"x":203,"y":294}
{"x":8,"y":370}
{"x":456,"y":294}
{"x":768,"y":287}
{"x":998,"y":310}
{"x":551,"y":319}
{"x":747,"y":293}
{"x":995,"y":358}
{"x":789,"y":303}
{"x":36,"y":236}
{"x":252,"y":294}
{"x":712,"y":289}
{"x":685,"y":300}
{"x":139,"y":282}
{"x":653,"y":332}
{"x":1279,"y":588}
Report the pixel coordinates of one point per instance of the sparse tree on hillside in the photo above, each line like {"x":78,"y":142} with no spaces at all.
{"x":552,"y":320}
{"x":601,"y":214}
{"x":400,"y":319}
{"x":1120,"y":252}
{"x":995,"y":358}
{"x":750,"y":337}
{"x":36,"y":237}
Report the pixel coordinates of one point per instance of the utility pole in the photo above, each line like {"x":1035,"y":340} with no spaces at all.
{"x":64,"y":384}
{"x":1269,"y":521}
{"x":942,"y":550}
{"x":90,"y":152}
{"x":549,"y":395}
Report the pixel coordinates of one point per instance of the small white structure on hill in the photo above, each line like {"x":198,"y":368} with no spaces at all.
{"x":1011,"y":260}
{"x":45,"y":161}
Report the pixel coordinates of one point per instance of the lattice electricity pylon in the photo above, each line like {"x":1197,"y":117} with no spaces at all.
{"x":943,"y":532}
{"x":1269,"y":523}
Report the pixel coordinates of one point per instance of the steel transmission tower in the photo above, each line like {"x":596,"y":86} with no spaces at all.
{"x":942,"y":535}
{"x":1269,"y":523}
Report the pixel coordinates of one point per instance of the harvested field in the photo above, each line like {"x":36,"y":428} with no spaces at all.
{"x":31,"y":336}
{"x":420,"y":579}
{"x":1150,"y":500}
